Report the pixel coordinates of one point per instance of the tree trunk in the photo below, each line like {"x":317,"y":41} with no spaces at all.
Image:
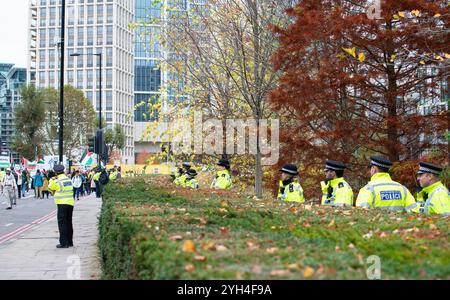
{"x":391,"y":102}
{"x":258,"y":165}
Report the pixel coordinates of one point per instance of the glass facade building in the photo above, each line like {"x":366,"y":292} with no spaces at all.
{"x":11,"y":80}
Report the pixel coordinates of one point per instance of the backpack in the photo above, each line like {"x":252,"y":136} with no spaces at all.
{"x":104,"y":178}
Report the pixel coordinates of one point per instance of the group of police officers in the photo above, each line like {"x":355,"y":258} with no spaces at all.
{"x":380,"y":192}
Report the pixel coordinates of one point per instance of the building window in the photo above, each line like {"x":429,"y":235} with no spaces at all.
{"x":147,"y":76}
{"x":109,"y":13}
{"x":81,"y":15}
{"x":100,"y":14}
{"x":90,"y":36}
{"x":90,"y":14}
{"x":100,"y":35}
{"x":80,"y":36}
{"x":142,"y":109}
{"x":109,"y":35}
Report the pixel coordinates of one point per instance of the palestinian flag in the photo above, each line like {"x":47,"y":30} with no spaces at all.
{"x":87,"y":159}
{"x":29,"y":165}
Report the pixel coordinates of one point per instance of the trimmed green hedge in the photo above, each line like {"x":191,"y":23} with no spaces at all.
{"x":143,"y":229}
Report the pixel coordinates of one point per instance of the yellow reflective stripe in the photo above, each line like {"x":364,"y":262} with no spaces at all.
{"x":63,"y":196}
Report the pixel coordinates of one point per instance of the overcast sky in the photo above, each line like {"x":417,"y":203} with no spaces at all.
{"x":13,"y":32}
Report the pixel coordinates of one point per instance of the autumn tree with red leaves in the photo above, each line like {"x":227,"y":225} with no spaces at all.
{"x":352,"y":86}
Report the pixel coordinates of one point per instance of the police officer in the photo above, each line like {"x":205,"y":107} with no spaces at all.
{"x":222,"y":180}
{"x":62,"y":189}
{"x":290,"y":189}
{"x":191,"y":182}
{"x":180,"y":176}
{"x":9,"y":187}
{"x":335,"y":190}
{"x":113,"y":174}
{"x":96,"y":179}
{"x":382,"y":191}
{"x":434,"y":197}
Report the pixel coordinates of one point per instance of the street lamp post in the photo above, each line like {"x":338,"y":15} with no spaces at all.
{"x":61,"y":83}
{"x":99,"y":55}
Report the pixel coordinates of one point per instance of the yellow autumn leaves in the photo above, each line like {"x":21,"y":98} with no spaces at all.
{"x":362,"y":56}
{"x":352,"y":52}
{"x":415,"y":13}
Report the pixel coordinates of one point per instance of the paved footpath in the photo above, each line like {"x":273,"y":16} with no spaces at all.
{"x":33,"y":254}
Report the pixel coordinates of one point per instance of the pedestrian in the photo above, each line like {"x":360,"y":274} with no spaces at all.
{"x":434,"y":198}
{"x":88,"y":182}
{"x":9,"y":187}
{"x":45,"y":191}
{"x":222,"y":180}
{"x":2,"y":177}
{"x":382,"y":191}
{"x":335,"y":190}
{"x":2,"y":174}
{"x":289,"y":189}
{"x":62,"y":189}
{"x":76,"y":182}
{"x":29,"y":180}
{"x":83,"y":184}
{"x":38,"y":183}
{"x":19,"y":183}
{"x":24,"y":182}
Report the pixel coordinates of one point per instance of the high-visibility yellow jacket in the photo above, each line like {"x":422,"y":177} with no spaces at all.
{"x":63,"y":190}
{"x":222,"y":180}
{"x":191,"y":183}
{"x":181,"y":180}
{"x":291,"y":192}
{"x":433,"y":199}
{"x":113,"y":175}
{"x":96,"y":176}
{"x":383,"y":192}
{"x":336,"y":192}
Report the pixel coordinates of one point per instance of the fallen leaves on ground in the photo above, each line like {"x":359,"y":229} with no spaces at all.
{"x":189,"y":246}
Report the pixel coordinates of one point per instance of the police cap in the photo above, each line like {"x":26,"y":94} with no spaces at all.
{"x":429,"y":168}
{"x":58,"y":169}
{"x":224,"y":163}
{"x":191,"y":172}
{"x":335,"y":165}
{"x":290,"y":169}
{"x":381,"y":162}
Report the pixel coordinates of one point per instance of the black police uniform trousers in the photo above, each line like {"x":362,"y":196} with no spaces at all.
{"x":65,"y":224}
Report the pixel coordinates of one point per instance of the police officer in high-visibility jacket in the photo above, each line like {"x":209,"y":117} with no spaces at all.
{"x":191,"y":182}
{"x":382,"y":191}
{"x":222,"y":180}
{"x":290,"y":189}
{"x":62,"y":190}
{"x":335,"y":190}
{"x":434,"y":198}
{"x":113,"y":174}
{"x":96,"y":179}
{"x":180,"y":176}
